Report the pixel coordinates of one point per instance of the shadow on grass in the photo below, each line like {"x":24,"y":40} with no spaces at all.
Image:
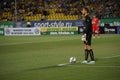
{"x":45,"y":68}
{"x":55,"y":66}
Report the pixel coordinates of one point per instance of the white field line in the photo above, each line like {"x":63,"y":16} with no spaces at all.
{"x":68,"y":64}
{"x":96,"y":66}
{"x":60,"y":39}
{"x":111,"y":57}
{"x":8,"y":44}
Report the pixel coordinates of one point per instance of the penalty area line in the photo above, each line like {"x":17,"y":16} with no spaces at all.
{"x":69,"y":64}
{"x":87,"y":65}
{"x":111,"y":57}
{"x":95,"y":66}
{"x":66,"y":64}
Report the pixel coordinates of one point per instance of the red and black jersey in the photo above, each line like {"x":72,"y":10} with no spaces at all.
{"x":95,"y":21}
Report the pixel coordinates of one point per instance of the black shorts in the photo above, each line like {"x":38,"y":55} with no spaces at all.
{"x":88,"y":39}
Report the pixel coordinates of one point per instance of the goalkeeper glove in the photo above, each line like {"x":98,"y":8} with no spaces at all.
{"x":84,"y":37}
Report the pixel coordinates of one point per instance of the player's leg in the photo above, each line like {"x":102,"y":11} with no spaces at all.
{"x":98,"y":32}
{"x":93,"y":27}
{"x":86,"y":53}
{"x":85,"y":50}
{"x":90,"y":51}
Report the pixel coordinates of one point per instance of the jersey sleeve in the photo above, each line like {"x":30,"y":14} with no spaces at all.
{"x":87,"y":25}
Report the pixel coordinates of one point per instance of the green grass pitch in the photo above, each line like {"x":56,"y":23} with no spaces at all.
{"x":37,"y":57}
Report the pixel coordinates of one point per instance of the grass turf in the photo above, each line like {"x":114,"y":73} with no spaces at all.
{"x":36,"y":58}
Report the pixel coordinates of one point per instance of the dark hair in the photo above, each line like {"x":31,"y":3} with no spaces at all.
{"x":86,"y":9}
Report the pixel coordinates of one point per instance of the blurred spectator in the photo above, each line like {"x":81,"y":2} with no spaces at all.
{"x":103,"y":8}
{"x":18,"y":24}
{"x":28,"y":24}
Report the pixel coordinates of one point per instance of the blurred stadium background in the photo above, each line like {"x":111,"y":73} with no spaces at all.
{"x":56,"y":9}
{"x":26,"y":55}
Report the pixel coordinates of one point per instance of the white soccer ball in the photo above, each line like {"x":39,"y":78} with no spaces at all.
{"x":72,"y":60}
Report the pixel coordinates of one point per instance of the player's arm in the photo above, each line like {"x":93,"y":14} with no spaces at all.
{"x":88,"y":25}
{"x":84,"y":33}
{"x":86,"y":30}
{"x":93,"y":22}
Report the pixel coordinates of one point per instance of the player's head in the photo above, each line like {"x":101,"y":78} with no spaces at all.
{"x":94,"y":15}
{"x":84,"y":10}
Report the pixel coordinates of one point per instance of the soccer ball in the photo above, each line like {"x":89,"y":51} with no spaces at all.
{"x":72,"y":60}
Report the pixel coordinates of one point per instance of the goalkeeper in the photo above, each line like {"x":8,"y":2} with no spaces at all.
{"x":87,"y":35}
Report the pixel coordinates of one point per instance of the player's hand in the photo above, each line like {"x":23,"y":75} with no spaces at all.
{"x":83,"y":37}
